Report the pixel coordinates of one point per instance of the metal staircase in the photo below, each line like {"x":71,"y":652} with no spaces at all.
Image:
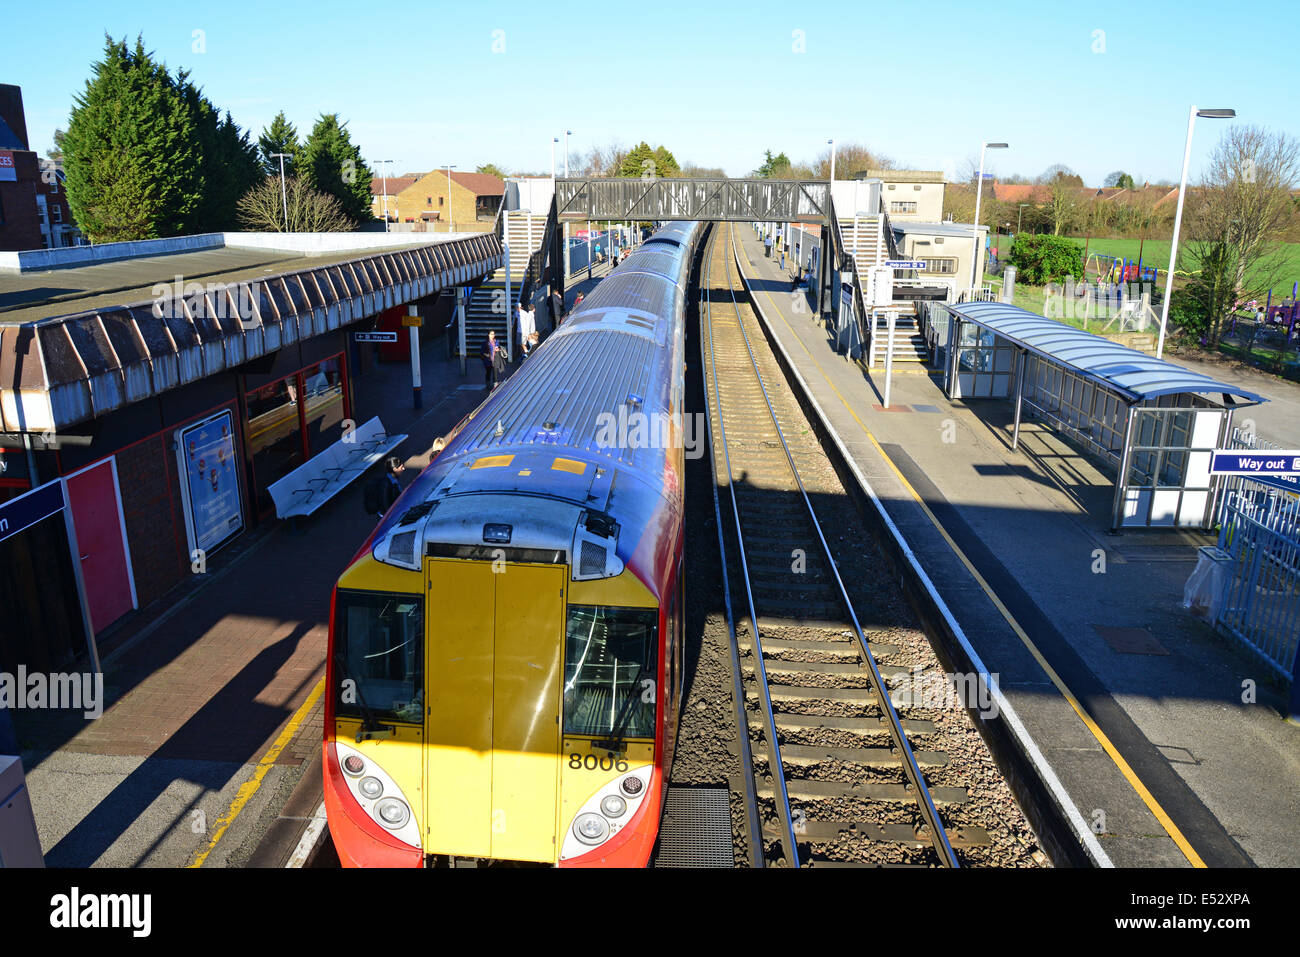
{"x":487,"y":309}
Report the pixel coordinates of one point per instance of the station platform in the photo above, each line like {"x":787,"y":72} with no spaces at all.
{"x":1145,"y":714}
{"x":208,"y":750}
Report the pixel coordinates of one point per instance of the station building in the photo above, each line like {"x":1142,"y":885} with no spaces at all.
{"x":34,"y":211}
{"x":150,"y":392}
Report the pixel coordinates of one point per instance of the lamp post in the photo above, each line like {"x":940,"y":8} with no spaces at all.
{"x":451,"y":224}
{"x":383,"y":174}
{"x":284,"y":194}
{"x":1192,"y":114}
{"x":566,"y":222}
{"x":554,"y":140}
{"x":975,"y":227}
{"x":832,"y":145}
{"x":1020,"y":216}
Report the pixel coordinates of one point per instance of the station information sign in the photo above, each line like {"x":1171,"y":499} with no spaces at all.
{"x":375,"y":336}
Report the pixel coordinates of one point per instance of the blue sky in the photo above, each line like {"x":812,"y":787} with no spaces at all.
{"x":1098,"y":86}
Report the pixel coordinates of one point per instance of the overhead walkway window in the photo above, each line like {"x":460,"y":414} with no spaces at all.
{"x":1153,"y":423}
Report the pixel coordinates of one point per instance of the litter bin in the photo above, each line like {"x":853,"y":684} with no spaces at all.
{"x":1203,"y":593}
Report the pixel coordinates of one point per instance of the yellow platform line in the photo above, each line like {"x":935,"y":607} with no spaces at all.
{"x":251,"y":786}
{"x":1124,"y":768}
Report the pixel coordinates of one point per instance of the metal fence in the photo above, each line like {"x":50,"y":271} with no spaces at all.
{"x":1260,"y":530}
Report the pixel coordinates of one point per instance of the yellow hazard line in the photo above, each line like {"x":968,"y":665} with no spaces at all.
{"x":1124,"y":768}
{"x":251,"y":786}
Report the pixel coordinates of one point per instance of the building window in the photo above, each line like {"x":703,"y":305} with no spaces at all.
{"x":441,"y":200}
{"x":902,"y":207}
{"x":941,"y":266}
{"x":428,"y":200}
{"x":56,"y":212}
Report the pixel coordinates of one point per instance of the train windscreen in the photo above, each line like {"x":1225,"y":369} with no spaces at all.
{"x":611,"y":658}
{"x":379,"y":645}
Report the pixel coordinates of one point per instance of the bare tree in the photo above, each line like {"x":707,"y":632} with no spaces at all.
{"x":310,"y":211}
{"x":600,"y":160}
{"x":850,"y":158}
{"x":1236,"y":219}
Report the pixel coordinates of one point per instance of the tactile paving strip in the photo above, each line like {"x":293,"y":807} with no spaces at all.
{"x":696,"y":829}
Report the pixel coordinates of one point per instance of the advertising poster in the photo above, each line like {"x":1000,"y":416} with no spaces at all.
{"x":209,"y":475}
{"x":8,"y":173}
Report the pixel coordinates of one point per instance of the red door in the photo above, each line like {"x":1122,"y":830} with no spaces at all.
{"x":105,"y":568}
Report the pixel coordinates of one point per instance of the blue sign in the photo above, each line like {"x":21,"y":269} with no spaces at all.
{"x":210,"y":482}
{"x":29,"y":508}
{"x":1276,"y":468}
{"x":905,"y":263}
{"x":1266,"y":462}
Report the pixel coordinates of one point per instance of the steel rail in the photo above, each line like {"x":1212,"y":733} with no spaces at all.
{"x":775,"y":767}
{"x":939,"y":837}
{"x":756,"y":856}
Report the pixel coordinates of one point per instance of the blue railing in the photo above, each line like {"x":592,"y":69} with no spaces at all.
{"x":1261,"y":598}
{"x":579,"y":251}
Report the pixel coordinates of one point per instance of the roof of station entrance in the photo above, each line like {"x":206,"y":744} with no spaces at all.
{"x":1133,"y":374}
{"x":87,"y":330}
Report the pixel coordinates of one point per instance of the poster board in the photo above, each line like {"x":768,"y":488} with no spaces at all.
{"x":209,"y":478}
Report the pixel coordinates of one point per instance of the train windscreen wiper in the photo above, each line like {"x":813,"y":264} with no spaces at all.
{"x":615,"y":743}
{"x":370,"y":726}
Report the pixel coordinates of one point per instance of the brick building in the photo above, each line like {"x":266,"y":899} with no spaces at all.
{"x":34,"y":211}
{"x":423,"y":198}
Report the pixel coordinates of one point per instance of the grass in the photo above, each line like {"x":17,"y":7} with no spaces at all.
{"x":1033,"y":299}
{"x":1155,"y":252}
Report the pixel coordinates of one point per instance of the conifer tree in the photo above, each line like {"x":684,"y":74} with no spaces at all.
{"x":330,"y":163}
{"x":280,"y":137}
{"x":131,"y":153}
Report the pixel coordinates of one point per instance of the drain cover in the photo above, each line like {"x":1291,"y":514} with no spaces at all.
{"x":696,"y":829}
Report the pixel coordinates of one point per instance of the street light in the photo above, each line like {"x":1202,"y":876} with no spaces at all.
{"x":384,"y":176}
{"x":284,"y":195}
{"x":554,"y":140}
{"x":450,"y":222}
{"x":567,"y":133}
{"x":832,"y":145}
{"x":975,"y":227}
{"x":1193,"y":113}
{"x":1020,"y":216}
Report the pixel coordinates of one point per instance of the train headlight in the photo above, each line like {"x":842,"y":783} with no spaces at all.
{"x":612,"y":806}
{"x":370,"y":788}
{"x":353,"y":764}
{"x":392,"y":813}
{"x":590,"y":828}
{"x":632,"y":785}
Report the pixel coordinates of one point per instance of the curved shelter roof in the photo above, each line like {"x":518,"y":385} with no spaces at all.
{"x":1131,"y":373}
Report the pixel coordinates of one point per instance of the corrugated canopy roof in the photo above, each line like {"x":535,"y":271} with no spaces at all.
{"x":1133,"y":374}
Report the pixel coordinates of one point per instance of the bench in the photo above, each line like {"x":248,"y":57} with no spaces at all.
{"x":321,"y":477}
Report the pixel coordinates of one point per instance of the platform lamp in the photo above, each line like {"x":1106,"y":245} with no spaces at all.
{"x":383,"y":174}
{"x":284,"y":195}
{"x":1192,"y":114}
{"x":451,"y":225}
{"x":975,"y":227}
{"x":567,"y":134}
{"x":832,"y":146}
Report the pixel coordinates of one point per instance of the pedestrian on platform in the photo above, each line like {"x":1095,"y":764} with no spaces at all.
{"x":491,"y":349}
{"x":527,"y":327}
{"x":783,"y":257}
{"x":383,"y":489}
{"x":767,"y":245}
{"x":556,"y":305}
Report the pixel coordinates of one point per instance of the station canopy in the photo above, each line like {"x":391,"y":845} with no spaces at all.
{"x":1133,"y":374}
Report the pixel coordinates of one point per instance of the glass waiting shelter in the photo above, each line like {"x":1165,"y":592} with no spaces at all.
{"x":1152,"y":422}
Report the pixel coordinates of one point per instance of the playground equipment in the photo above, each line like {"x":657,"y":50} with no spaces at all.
{"x":1118,"y":269}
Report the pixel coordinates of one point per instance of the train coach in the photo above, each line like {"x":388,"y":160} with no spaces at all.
{"x":505,"y":660}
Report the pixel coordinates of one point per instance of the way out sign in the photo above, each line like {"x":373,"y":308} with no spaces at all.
{"x":375,"y":336}
{"x":1279,"y":468}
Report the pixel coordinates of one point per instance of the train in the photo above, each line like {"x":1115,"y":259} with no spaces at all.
{"x":504,"y":674}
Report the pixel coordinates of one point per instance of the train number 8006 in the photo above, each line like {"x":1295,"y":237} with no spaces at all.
{"x":594,"y":763}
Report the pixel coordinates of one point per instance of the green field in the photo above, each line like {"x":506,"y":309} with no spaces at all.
{"x":1155,"y":252}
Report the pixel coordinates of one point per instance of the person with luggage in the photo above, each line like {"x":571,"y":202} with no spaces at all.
{"x":493,"y":357}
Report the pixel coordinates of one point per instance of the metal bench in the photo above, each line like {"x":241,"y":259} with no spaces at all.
{"x":323,"y":476}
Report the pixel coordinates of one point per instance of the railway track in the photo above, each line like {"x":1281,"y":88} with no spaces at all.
{"x":835,"y":779}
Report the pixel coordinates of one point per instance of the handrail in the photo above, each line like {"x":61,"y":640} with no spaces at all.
{"x":848,"y":260}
